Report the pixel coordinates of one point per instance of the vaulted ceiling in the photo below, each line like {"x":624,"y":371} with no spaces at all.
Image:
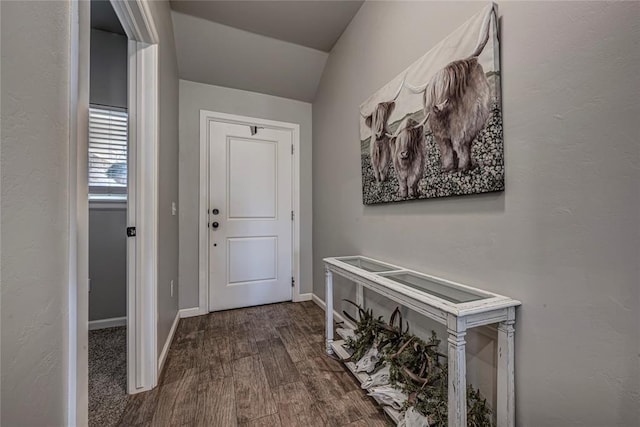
{"x":273,"y":47}
{"x":314,"y":24}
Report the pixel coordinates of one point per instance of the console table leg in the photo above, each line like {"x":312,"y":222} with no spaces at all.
{"x":457,"y":377}
{"x":329,"y":308}
{"x":359,"y":297}
{"x":505,"y":387}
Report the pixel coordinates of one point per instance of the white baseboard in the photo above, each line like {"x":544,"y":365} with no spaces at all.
{"x":191,"y":312}
{"x":167,"y":344}
{"x":336,"y":316}
{"x":107,"y":323}
{"x":303,"y":297}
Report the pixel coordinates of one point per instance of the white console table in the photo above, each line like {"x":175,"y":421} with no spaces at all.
{"x":457,"y":306}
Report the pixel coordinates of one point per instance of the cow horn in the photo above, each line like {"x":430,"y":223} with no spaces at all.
{"x":423,"y":122}
{"x":397,"y":132}
{"x":440,"y":106}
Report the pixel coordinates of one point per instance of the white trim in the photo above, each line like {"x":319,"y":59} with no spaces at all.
{"x":167,"y":343}
{"x":305,"y":297}
{"x":107,"y":323}
{"x":336,"y":316}
{"x":295,"y":202}
{"x":191,"y":312}
{"x":203,"y":257}
{"x":136,"y":20}
{"x":132,"y":276}
{"x":77,"y":336}
{"x":143,"y":214}
{"x":203,"y":244}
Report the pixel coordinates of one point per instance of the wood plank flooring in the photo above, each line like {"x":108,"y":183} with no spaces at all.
{"x":257,"y":366}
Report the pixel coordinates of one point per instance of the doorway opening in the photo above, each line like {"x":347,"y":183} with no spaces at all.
{"x":108,"y":172}
{"x":102,"y":165}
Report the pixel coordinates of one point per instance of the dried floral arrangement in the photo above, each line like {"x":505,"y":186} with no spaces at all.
{"x":417,"y":371}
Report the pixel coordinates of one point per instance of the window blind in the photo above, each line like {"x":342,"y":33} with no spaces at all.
{"x":107,"y":150}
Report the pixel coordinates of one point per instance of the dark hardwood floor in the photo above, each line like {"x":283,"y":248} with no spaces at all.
{"x":258,"y":366}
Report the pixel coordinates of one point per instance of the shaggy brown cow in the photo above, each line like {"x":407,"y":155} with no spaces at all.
{"x":456,"y":103}
{"x":379,"y":142}
{"x":407,"y":147}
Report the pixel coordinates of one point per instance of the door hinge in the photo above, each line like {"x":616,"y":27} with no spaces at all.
{"x":131,"y":232}
{"x":293,"y":282}
{"x":292,"y":148}
{"x":292,"y":215}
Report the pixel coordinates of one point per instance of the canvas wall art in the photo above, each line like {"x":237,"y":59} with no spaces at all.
{"x":436,"y":129}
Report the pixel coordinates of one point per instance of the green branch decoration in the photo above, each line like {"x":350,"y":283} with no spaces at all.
{"x":367,"y":331}
{"x":416,"y":367}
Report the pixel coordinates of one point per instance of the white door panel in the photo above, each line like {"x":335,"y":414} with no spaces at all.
{"x":250,"y":185}
{"x":253,"y":174}
{"x":252,"y":259}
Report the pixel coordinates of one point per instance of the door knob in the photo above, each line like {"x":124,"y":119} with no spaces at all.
{"x":215,"y":224}
{"x":215,"y":212}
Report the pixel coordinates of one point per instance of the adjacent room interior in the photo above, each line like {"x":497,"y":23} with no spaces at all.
{"x":108,"y":172}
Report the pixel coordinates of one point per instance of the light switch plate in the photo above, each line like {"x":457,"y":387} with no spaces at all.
{"x":173,"y":208}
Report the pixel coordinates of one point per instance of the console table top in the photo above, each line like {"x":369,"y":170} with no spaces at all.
{"x":451,"y":297}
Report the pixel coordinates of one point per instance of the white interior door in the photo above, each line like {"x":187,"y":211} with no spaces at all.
{"x":250,"y":220}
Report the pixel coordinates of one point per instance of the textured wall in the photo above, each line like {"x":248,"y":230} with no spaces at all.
{"x":108,"y":262}
{"x":564,"y":236}
{"x":167,"y":171}
{"x":34,"y":220}
{"x":108,"y":69}
{"x":197,"y":96}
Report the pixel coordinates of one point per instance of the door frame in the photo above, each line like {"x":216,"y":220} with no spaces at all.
{"x":206,"y":117}
{"x":142,"y":200}
{"x":142,"y":360}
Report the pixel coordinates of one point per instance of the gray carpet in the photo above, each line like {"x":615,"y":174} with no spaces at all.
{"x":107,"y":376}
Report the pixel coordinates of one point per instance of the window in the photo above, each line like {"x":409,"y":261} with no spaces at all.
{"x":107,"y":152}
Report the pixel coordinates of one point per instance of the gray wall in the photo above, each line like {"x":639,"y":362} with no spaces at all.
{"x":107,"y":239}
{"x":34,"y":220}
{"x":167,"y":171}
{"x":108,"y":262}
{"x":108,"y":69}
{"x":563,"y":238}
{"x":197,"y":96}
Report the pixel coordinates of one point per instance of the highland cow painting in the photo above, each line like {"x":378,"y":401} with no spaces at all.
{"x":436,"y":129}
